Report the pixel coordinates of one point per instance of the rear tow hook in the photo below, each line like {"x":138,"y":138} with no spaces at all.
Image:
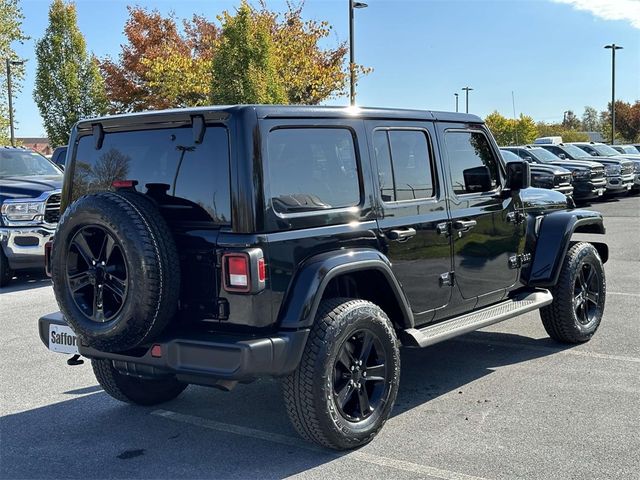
{"x":75,"y":360}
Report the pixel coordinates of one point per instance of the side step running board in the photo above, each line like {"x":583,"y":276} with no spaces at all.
{"x":521,"y":303}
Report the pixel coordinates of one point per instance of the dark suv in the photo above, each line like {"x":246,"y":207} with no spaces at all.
{"x":217,"y":245}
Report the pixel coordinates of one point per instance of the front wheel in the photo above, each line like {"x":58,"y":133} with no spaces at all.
{"x":343,"y":391}
{"x":578,"y":297}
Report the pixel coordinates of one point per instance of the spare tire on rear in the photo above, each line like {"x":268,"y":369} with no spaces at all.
{"x":115,"y":269}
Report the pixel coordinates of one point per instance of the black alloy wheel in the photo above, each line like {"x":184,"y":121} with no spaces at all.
{"x":579,"y":296}
{"x":360,"y":376}
{"x":587,"y":291}
{"x":343,"y":390}
{"x":97,"y":274}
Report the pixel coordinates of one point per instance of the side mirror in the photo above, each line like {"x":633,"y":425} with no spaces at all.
{"x":518,"y":175}
{"x":528,"y":159}
{"x":477,"y":179}
{"x":594,"y":154}
{"x":562,"y":156}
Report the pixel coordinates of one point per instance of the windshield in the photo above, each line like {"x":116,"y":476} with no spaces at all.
{"x":630,"y":149}
{"x":543,"y":155}
{"x":605,"y":150}
{"x":24,"y":163}
{"x":509,"y":156}
{"x":575,"y":152}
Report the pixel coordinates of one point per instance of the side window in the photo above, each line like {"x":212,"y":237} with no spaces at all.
{"x":473,"y":165}
{"x":312,"y":169}
{"x":404,"y":165}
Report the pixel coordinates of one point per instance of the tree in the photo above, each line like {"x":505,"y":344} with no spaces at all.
{"x":509,"y":131}
{"x":68,"y":84}
{"x":309,"y":73}
{"x":163,"y":65}
{"x":570,"y":121}
{"x":160,"y":66}
{"x":627,"y":121}
{"x":10,"y":31}
{"x":590,"y":120}
{"x":244,"y":64}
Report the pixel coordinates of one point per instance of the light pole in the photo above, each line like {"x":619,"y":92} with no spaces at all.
{"x":467,"y":90}
{"x":11,"y":63}
{"x":352,"y":65}
{"x":613,"y":48}
{"x":456,"y":95}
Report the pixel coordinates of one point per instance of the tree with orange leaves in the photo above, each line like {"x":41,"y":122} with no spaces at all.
{"x":162,"y":66}
{"x":132,"y":82}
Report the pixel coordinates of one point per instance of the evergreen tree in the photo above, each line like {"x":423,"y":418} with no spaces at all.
{"x":68,"y":83}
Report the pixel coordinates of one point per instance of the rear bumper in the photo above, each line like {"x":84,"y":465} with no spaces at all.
{"x":204,"y":358}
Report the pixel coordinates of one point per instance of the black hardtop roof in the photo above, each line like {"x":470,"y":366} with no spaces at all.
{"x":278,"y":111}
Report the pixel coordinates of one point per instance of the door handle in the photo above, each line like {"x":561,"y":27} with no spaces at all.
{"x":464,"y":225}
{"x":401,"y":235}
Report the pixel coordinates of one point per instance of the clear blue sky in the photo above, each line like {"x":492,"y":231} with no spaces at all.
{"x":549,"y":53}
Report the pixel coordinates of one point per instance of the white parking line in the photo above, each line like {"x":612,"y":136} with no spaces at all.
{"x":579,"y":353}
{"x":625,"y":294}
{"x":296,"y":442}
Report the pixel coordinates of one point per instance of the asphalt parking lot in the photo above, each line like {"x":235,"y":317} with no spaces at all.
{"x":505,"y":402}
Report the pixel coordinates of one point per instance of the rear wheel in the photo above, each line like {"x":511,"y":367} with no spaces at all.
{"x":578,"y":297}
{"x":140,"y":391}
{"x":344,"y":388}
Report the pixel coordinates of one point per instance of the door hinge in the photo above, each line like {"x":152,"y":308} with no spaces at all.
{"x":516,"y":217}
{"x":517,"y":261}
{"x":443,"y":229}
{"x":447,"y":279}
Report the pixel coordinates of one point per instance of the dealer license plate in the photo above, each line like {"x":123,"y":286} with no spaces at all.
{"x":62,"y":339}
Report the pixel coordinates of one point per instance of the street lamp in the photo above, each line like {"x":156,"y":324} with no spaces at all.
{"x":456,"y":95}
{"x":613,"y":48}
{"x":467,"y":90}
{"x":11,"y":63}
{"x":352,"y":66}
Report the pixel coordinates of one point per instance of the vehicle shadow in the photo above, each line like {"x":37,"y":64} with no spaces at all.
{"x":94,"y":436}
{"x":27,"y":280}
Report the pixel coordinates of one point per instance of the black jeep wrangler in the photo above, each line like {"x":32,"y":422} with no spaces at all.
{"x":217,"y":245}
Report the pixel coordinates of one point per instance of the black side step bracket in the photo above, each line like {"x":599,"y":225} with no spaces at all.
{"x":520,"y":303}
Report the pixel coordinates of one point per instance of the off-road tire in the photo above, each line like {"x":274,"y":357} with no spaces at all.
{"x":6,"y":274}
{"x":150,"y":254}
{"x":559,"y":318}
{"x":140,"y":391}
{"x":308,"y":391}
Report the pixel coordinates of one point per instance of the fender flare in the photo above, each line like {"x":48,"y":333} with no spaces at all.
{"x":553,"y":242}
{"x":298,"y":310}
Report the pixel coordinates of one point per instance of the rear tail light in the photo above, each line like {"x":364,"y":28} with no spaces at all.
{"x":238,"y":268}
{"x":244,"y":271}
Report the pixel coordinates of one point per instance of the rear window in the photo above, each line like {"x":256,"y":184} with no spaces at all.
{"x":312,"y":169}
{"x":168,"y":166}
